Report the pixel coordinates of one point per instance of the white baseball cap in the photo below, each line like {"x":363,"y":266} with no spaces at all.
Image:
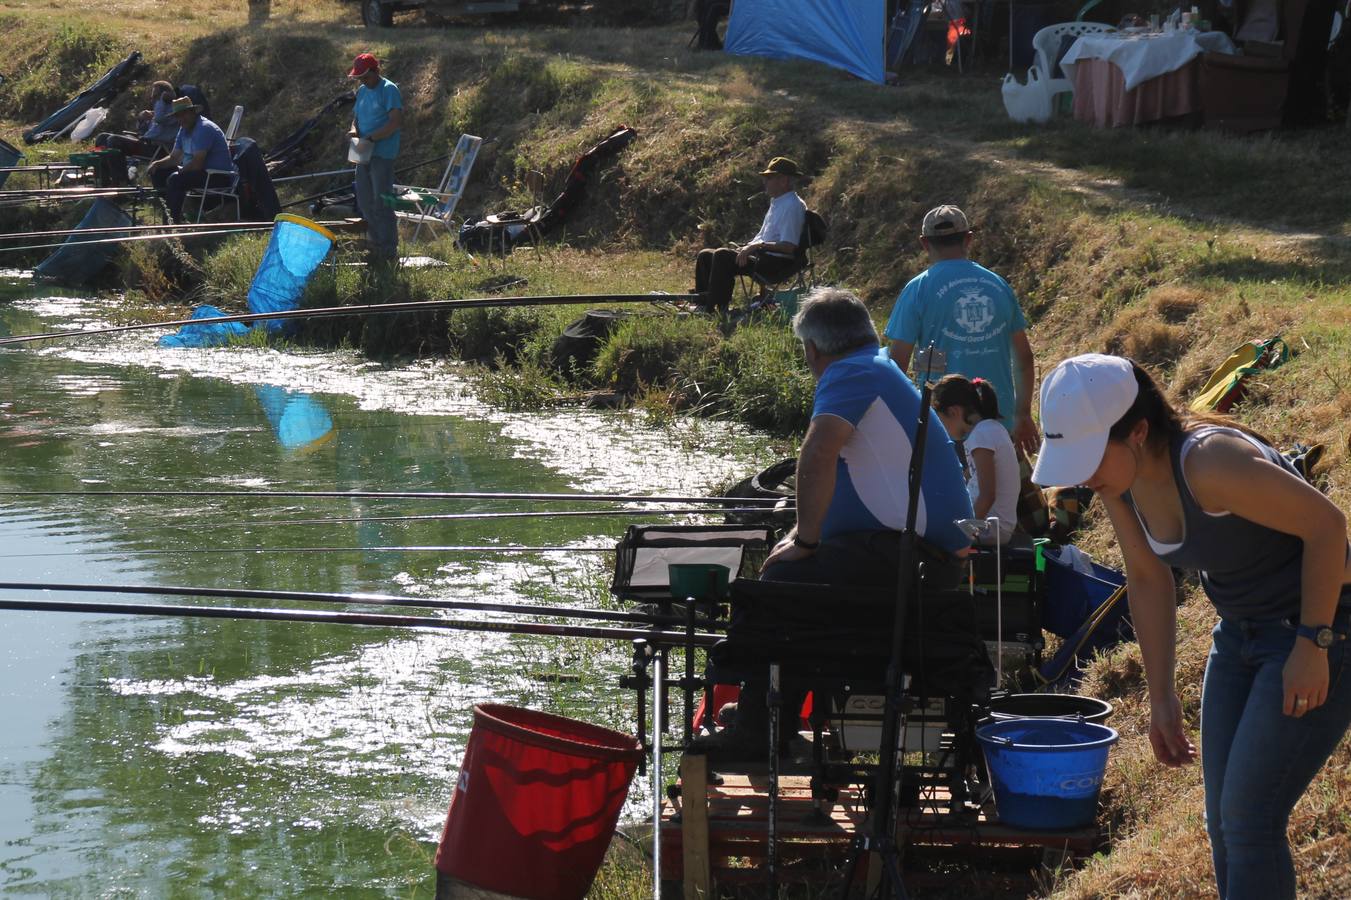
{"x":1081,"y":400}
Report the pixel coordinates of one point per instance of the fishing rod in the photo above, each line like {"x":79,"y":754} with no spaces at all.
{"x":136,"y":229}
{"x":374,"y":309}
{"x":417,"y":548}
{"x":136,"y":238}
{"x":407,"y":495}
{"x":338,"y":190}
{"x":379,"y":620}
{"x":358,"y":599}
{"x":475,"y":516}
{"x":78,"y":193}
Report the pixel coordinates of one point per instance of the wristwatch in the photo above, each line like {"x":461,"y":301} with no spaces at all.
{"x":1322,"y":636}
{"x":805,"y":545}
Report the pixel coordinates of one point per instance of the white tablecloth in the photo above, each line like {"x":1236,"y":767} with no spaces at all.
{"x":1141,"y":57}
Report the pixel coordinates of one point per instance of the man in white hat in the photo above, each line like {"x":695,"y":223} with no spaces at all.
{"x":200,"y":158}
{"x":972,"y":316}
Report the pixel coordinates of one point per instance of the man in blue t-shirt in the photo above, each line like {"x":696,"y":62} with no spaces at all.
{"x":971,"y":315}
{"x":200,"y":157}
{"x":377,"y":118}
{"x":854,"y":467}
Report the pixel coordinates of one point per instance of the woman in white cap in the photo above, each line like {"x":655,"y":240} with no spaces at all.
{"x":1203,"y":493}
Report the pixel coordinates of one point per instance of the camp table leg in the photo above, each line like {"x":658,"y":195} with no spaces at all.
{"x":694,"y":826}
{"x":775,"y":701}
{"x":658,"y":714}
{"x":689,"y":670}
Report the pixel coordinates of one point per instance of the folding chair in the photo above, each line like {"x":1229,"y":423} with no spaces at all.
{"x":803,"y":273}
{"x":232,"y":130}
{"x":226,"y":191}
{"x":433,"y":207}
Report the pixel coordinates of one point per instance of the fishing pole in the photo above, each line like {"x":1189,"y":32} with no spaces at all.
{"x":379,"y":620}
{"x":417,"y":548}
{"x":475,"y":516}
{"x":138,"y":229}
{"x":373,"y":309}
{"x":406,"y":495}
{"x":338,"y":190}
{"x":358,"y":599}
{"x":135,"y":238}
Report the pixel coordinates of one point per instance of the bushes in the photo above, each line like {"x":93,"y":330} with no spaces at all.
{"x":62,"y":67}
{"x":649,"y":350}
{"x":766,"y":383}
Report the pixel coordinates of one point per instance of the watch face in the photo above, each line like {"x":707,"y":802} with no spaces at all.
{"x":1324,"y":638}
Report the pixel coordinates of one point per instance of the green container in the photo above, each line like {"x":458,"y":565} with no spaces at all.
{"x":698,"y":580}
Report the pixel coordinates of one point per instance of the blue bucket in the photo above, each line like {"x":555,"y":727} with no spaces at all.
{"x":1046,"y":772}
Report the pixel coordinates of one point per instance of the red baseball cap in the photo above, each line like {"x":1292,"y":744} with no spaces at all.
{"x":363,"y":64}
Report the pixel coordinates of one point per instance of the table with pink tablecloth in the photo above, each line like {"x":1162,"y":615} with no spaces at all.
{"x":1130,"y":79}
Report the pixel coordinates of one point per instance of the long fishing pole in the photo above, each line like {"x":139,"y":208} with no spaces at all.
{"x":338,"y":190}
{"x":374,"y":309}
{"x":380,"y":620}
{"x":406,"y":495}
{"x":452,"y":549}
{"x":357,"y":599}
{"x":136,"y":238}
{"x":137,"y":229}
{"x":476,"y":516}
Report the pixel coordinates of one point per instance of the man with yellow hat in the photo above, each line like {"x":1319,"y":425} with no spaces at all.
{"x":771,"y":253}
{"x":200,"y":157}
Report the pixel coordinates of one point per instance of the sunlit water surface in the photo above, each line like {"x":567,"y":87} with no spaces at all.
{"x":199,"y":757}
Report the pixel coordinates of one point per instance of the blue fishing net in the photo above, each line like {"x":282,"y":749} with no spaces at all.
{"x":298,"y":420}
{"x":296,"y":249}
{"x":75,"y":263}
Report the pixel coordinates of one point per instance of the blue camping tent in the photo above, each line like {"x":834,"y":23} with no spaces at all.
{"x":846,"y":34}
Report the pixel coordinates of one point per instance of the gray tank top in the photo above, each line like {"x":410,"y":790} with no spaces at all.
{"x":1247,"y":570}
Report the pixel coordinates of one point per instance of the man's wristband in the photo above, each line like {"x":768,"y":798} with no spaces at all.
{"x":805,"y":545}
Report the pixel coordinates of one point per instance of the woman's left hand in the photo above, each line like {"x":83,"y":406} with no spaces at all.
{"x":1305,"y":679}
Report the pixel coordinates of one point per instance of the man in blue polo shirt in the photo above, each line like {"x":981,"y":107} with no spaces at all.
{"x":201,"y":157}
{"x":377,"y":117}
{"x":854,"y":467}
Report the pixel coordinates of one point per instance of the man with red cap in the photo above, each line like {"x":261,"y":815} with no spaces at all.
{"x":376,"y":123}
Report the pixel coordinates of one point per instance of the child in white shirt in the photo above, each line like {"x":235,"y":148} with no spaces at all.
{"x":969,"y":410}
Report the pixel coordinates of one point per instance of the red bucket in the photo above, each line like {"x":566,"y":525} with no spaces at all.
{"x":536,"y":804}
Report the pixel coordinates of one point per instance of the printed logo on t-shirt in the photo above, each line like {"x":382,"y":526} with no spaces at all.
{"x":975,"y":310}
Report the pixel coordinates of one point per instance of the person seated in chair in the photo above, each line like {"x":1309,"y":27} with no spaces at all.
{"x":153,"y":137}
{"x":772,"y":253}
{"x":853,"y":479}
{"x":199,"y":147}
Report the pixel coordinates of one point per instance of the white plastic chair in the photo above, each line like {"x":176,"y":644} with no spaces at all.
{"x":1047,"y":45}
{"x":232,"y":130}
{"x":437,"y":207}
{"x":230,"y":190}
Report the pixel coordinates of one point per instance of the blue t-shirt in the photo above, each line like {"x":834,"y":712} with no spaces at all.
{"x":161,"y":132}
{"x":207,"y":138}
{"x":372,"y":112}
{"x":869,"y":391}
{"x":968,"y":312}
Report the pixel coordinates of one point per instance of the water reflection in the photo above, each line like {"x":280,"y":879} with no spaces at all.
{"x":248,"y":758}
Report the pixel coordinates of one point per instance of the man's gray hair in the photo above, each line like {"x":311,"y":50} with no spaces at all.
{"x":835,"y":320}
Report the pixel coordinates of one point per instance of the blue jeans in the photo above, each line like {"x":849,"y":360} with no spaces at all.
{"x":382,"y":228}
{"x":1257,"y":761}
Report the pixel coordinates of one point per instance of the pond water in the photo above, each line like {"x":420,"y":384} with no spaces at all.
{"x":199,"y":757}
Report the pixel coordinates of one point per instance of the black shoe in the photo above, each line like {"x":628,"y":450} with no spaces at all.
{"x":731,"y":745}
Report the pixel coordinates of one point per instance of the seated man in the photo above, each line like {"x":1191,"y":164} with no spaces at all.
{"x":152,"y":137}
{"x":853,"y":482}
{"x":772,"y":253}
{"x":200,"y":146}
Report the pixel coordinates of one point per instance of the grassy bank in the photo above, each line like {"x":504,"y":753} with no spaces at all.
{"x":1172,"y":247}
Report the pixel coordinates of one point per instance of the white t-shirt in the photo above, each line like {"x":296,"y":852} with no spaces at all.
{"x":784,"y":220}
{"x":989,"y":434}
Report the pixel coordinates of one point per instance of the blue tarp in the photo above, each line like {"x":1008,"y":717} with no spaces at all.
{"x":77,"y":264}
{"x":846,"y":34}
{"x":296,"y":249}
